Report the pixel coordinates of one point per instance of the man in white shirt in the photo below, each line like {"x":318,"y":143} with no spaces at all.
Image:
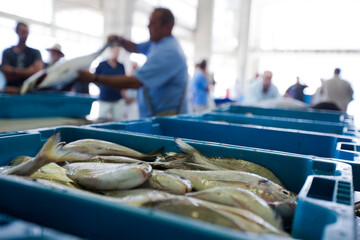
{"x":337,"y":90}
{"x":261,"y":90}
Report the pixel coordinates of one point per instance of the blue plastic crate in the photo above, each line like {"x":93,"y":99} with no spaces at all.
{"x":279,"y":122}
{"x":46,"y":104}
{"x":12,"y":228}
{"x":310,"y":114}
{"x":325,"y":194}
{"x":287,"y":140}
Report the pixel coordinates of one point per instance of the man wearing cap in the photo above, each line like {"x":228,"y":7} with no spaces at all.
{"x":55,"y":55}
{"x":20,"y":62}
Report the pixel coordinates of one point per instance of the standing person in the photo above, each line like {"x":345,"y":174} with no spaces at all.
{"x":200,"y":88}
{"x":296,"y":91}
{"x":162,"y":79}
{"x":336,"y":90}
{"x":20,"y":62}
{"x":110,"y":105}
{"x":261,"y":90}
{"x":55,"y":55}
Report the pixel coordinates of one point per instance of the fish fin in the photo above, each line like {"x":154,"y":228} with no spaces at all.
{"x":52,"y":151}
{"x":184,"y":147}
{"x":157,"y":151}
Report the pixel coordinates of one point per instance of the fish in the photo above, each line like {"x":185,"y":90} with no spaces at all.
{"x":235,"y":218}
{"x":170,"y":183}
{"x":113,"y":159}
{"x":240,"y":198}
{"x":54,"y":173}
{"x":108,"y":176}
{"x":18,"y":160}
{"x":51,"y":151}
{"x":283,"y":201}
{"x":222,"y":163}
{"x":100,"y":147}
{"x":61,"y":73}
{"x":138,"y":196}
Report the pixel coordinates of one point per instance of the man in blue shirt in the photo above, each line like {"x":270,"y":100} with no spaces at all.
{"x":200,"y":88}
{"x":162,"y":79}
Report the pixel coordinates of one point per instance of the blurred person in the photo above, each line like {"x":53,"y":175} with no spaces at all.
{"x":20,"y":62}
{"x":55,"y":55}
{"x":296,"y":91}
{"x":162,"y":79}
{"x":110,"y":99}
{"x":336,"y":91}
{"x":261,"y":90}
{"x":200,"y":88}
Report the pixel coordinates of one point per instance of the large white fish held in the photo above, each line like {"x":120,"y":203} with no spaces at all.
{"x":60,"y":73}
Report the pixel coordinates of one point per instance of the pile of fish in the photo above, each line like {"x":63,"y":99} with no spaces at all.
{"x":225,"y":191}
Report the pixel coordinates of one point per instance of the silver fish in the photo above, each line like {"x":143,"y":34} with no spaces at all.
{"x":282,"y":200}
{"x":100,"y":147}
{"x":222,"y":163}
{"x":139,"y":196}
{"x":170,"y":183}
{"x":50,"y":152}
{"x":108,"y":176}
{"x":217,"y":214}
{"x":113,"y":159}
{"x":60,"y":73}
{"x":240,"y":198}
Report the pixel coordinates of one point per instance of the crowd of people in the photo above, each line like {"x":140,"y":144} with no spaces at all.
{"x":334,"y":94}
{"x":161,"y":84}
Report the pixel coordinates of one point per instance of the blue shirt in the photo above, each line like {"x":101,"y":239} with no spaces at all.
{"x":109,"y":94}
{"x":164,"y":76}
{"x":199,"y":88}
{"x":256,"y":94}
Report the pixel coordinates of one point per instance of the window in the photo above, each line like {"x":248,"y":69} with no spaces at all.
{"x":39,"y":10}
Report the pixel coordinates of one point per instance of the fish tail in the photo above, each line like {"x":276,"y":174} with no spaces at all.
{"x":52,"y":151}
{"x":184,"y":147}
{"x":196,"y":156}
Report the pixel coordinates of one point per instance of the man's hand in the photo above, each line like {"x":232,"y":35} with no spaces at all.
{"x":85,"y":76}
{"x":116,"y":39}
{"x":112,"y":38}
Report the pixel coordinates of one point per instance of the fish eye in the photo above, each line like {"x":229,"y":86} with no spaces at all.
{"x":285,"y":192}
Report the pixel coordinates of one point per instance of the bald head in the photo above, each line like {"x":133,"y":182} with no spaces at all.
{"x":267,"y":76}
